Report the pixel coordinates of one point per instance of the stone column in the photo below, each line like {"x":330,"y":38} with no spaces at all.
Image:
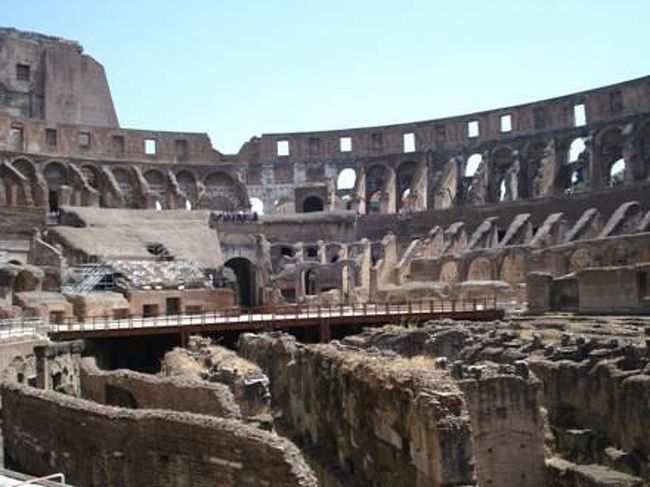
{"x":593,"y":148}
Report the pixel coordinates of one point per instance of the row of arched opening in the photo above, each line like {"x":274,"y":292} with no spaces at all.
{"x":386,"y":189}
{"x":221,"y":191}
{"x":510,"y":182}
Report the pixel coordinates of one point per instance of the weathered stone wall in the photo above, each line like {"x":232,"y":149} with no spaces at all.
{"x":505,"y":408}
{"x":382,"y":420}
{"x":201,"y":300}
{"x":62,"y":84}
{"x":609,"y":290}
{"x":112,"y":167}
{"x":608,"y":401}
{"x":507,"y":429}
{"x":567,"y":474}
{"x":126,"y":388}
{"x":204,"y":360}
{"x":94,"y":444}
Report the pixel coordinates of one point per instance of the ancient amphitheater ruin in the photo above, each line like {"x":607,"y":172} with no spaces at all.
{"x":460,"y":301}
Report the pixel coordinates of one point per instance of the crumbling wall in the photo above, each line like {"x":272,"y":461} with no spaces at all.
{"x":504,"y":401}
{"x":507,"y":430}
{"x":600,"y":401}
{"x":204,"y":360}
{"x":44,"y":431}
{"x":382,"y":419}
{"x":562,"y":473}
{"x":126,"y":388}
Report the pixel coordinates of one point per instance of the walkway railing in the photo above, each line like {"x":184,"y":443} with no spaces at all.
{"x":22,"y":327}
{"x":276,"y":315}
{"x":267,"y":317}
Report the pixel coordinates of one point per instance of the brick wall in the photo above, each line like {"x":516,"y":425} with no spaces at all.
{"x":380,"y":420}
{"x":127,"y":388}
{"x":92,"y":444}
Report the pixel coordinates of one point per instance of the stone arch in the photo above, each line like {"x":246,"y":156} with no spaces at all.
{"x":27,"y":168}
{"x":573,"y":174}
{"x":127,"y":184}
{"x":480,"y":269}
{"x":157,"y":183}
{"x":220,"y":192}
{"x":449,"y":272}
{"x":26,"y":280}
{"x":346,"y":184}
{"x":610,"y":150}
{"x":513,"y":268}
{"x":244,"y":271}
{"x":187,"y":184}
{"x":14,"y":187}
{"x":312,"y":203}
{"x":380,"y":189}
{"x":405,"y":176}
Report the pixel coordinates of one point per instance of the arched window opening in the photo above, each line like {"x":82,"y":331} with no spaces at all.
{"x":257,"y":206}
{"x":158,"y":205}
{"x":312,"y":204}
{"x":220,"y":192}
{"x":472,"y":165}
{"x":617,"y":173}
{"x":347,"y":179}
{"x":188,"y":205}
{"x":576,"y":148}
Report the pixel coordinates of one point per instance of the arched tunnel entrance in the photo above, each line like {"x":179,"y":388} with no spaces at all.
{"x":245,"y":286}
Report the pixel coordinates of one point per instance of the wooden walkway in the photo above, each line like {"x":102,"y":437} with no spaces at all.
{"x":323,"y":318}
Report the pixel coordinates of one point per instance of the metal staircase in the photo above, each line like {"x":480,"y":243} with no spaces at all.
{"x":89,"y":276}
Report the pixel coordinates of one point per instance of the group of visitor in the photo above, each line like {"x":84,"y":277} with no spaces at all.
{"x":235,"y":216}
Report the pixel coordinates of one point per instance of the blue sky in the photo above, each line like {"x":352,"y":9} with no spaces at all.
{"x":241,"y":68}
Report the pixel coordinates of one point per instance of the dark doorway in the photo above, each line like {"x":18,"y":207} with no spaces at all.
{"x":245,"y":286}
{"x":149,"y":310}
{"x":53,"y":200}
{"x":173,"y":306}
{"x":312,"y":204}
{"x":310,"y":282}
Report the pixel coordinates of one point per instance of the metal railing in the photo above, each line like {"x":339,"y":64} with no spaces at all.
{"x":23,"y":327}
{"x":269,"y":316}
{"x":266,"y":317}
